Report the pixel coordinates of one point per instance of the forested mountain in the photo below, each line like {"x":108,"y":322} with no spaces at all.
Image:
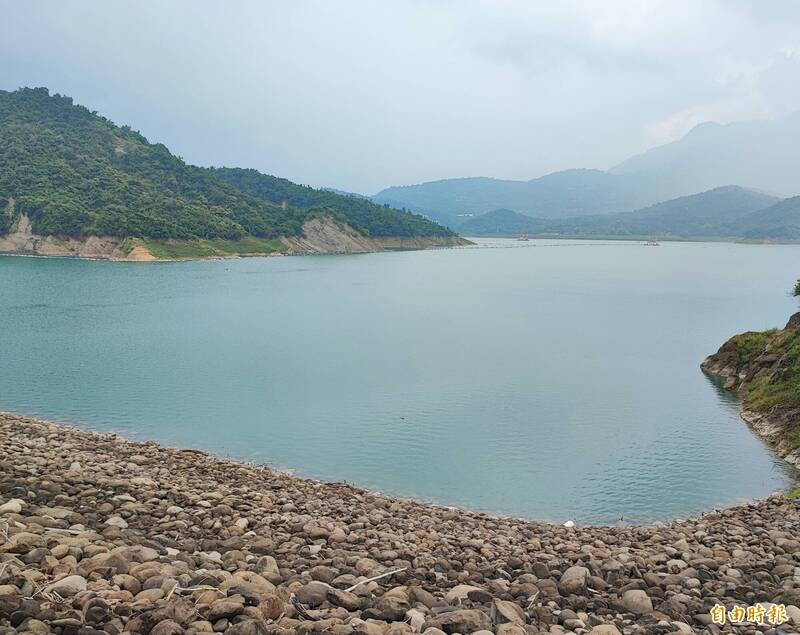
{"x":724,"y":212}
{"x":557,"y":195}
{"x":75,"y":173}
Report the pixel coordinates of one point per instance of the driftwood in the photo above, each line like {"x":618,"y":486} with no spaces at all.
{"x":190,"y":589}
{"x":532,"y":600}
{"x":301,"y":610}
{"x":377,"y":577}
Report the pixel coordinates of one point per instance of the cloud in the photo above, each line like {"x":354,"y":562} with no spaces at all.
{"x":361,"y":95}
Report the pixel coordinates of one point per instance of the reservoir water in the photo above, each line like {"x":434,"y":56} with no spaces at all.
{"x":552,"y":379}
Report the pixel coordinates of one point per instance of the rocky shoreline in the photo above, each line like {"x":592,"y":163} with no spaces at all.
{"x":102,"y":535}
{"x":322,"y":235}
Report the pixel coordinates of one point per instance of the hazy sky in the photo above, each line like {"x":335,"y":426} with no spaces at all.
{"x":362,"y":95}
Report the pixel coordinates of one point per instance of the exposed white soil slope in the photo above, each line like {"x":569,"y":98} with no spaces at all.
{"x":325,"y":236}
{"x":23,"y":241}
{"x":320,"y":236}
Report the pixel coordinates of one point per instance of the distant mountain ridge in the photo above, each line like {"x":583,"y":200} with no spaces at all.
{"x":724,"y":212}
{"x":714,"y":213}
{"x":760,"y":155}
{"x":563,"y":194}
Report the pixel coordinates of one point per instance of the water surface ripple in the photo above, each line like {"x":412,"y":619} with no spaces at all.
{"x":524,"y":379}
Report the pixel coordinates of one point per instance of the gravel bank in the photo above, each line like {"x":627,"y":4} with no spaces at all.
{"x":101,"y":535}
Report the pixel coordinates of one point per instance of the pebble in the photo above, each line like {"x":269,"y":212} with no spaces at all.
{"x":637,"y":602}
{"x":313,"y":594}
{"x":134,"y":537}
{"x":14,"y":506}
{"x":67,"y":586}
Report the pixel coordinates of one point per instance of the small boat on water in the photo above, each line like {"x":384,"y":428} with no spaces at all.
{"x":523,"y":237}
{"x":651,"y":243}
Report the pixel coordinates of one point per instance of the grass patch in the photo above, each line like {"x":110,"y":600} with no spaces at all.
{"x":794,"y":436}
{"x":765,"y":392}
{"x":795,"y":493}
{"x":127,"y":245}
{"x":752,"y":344}
{"x":779,"y":389}
{"x":178,"y":250}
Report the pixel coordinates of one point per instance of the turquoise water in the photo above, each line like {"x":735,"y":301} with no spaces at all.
{"x":551,"y":380}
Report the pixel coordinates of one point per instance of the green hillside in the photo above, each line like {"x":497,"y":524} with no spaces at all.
{"x":75,"y":173}
{"x":360,"y":213}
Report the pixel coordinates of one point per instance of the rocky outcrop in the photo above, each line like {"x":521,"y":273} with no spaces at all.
{"x":764,"y":369}
{"x":24,"y":241}
{"x":101,"y":535}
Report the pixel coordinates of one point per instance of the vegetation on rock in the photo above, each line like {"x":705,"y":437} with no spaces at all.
{"x":764,"y":368}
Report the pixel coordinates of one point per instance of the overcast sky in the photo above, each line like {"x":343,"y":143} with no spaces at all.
{"x":361,"y":95}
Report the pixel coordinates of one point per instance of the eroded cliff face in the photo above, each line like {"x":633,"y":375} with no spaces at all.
{"x":764,"y":369}
{"x":326,"y":236}
{"x":320,"y":236}
{"x":23,"y":241}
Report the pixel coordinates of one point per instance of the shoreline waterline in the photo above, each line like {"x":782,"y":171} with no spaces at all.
{"x":304,"y":476}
